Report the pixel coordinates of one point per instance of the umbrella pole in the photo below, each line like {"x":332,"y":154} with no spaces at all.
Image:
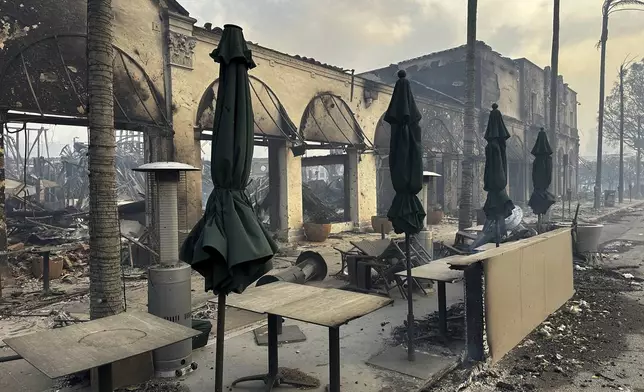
{"x":219,"y":352}
{"x":411,"y":355}
{"x":498,"y":233}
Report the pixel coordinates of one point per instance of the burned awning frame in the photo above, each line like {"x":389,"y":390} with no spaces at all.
{"x":270,"y":117}
{"x":132,"y":84}
{"x":329,"y":123}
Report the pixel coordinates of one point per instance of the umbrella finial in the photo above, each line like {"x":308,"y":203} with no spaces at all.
{"x":495,"y":106}
{"x":402,"y":73}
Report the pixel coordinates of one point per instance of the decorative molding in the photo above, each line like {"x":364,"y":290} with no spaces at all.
{"x":370,"y":92}
{"x":182,"y":48}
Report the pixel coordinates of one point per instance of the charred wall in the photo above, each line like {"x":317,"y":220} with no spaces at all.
{"x":43,"y":59}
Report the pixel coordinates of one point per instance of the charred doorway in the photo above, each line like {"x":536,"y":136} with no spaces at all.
{"x":274,"y":131}
{"x":333,"y":143}
{"x":441,"y":149}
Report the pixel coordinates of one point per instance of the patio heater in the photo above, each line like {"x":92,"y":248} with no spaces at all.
{"x":169,"y":291}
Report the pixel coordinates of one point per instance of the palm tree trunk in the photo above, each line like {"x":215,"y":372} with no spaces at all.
{"x":620,"y":186}
{"x":106,"y":296}
{"x":465,"y":206}
{"x":638,"y":164}
{"x":600,"y":120}
{"x":554,"y":81}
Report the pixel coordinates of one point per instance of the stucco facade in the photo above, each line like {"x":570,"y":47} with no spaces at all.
{"x":522,"y":91}
{"x":164,"y":84}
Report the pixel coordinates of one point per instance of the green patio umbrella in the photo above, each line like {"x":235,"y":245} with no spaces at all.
{"x":541,"y":199}
{"x":406,"y":165}
{"x":229,"y":246}
{"x":498,"y":205}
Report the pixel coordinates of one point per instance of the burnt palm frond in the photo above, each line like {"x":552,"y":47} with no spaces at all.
{"x":612,"y":6}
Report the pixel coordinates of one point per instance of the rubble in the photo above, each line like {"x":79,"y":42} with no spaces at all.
{"x":584,"y":335}
{"x":427,"y":333}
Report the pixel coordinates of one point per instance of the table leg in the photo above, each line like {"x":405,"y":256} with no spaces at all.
{"x":274,"y":378}
{"x":442,"y":310}
{"x":105,"y":378}
{"x":474,"y":311}
{"x":334,"y":359}
{"x":273,"y":357}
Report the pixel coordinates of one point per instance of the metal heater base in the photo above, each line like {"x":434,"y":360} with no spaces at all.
{"x":181,"y":372}
{"x":169,"y":297}
{"x":290,"y":334}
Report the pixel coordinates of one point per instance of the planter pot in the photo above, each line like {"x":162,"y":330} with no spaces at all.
{"x":587,"y":236}
{"x":55,"y":267}
{"x":317,"y":232}
{"x":434,"y":217}
{"x":377,"y":223}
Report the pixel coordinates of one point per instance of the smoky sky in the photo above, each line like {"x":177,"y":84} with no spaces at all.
{"x":368,"y":34}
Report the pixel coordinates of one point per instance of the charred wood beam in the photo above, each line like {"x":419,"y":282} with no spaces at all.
{"x":130,"y":125}
{"x":324,"y":160}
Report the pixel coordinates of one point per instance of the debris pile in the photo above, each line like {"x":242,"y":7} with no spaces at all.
{"x":318,"y":209}
{"x":427,"y":330}
{"x":585,"y":335}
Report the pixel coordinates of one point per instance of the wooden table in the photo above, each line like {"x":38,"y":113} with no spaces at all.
{"x":97,"y":344}
{"x":440,"y":272}
{"x":329,"y":308}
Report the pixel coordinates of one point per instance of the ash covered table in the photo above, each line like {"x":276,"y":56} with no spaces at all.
{"x":97,"y":344}
{"x":329,"y":308}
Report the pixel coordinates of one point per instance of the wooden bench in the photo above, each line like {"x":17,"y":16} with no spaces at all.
{"x":97,"y":344}
{"x":329,"y":308}
{"x":438,"y":271}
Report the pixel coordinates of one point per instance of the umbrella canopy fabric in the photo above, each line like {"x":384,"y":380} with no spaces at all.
{"x":498,"y":205}
{"x":541,"y":199}
{"x":229,"y":246}
{"x":405,"y":159}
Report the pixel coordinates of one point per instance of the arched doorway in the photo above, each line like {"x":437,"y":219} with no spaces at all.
{"x":440,"y":154}
{"x":273,"y":129}
{"x":334,"y":141}
{"x":43,"y":80}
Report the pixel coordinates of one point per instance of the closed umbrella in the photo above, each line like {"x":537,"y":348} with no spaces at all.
{"x":229,"y":246}
{"x":406,"y":165}
{"x":541,"y":199}
{"x":498,"y":205}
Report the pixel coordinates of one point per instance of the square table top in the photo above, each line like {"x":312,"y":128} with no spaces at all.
{"x":82,"y":346}
{"x":437,"y":270}
{"x":315,"y":305}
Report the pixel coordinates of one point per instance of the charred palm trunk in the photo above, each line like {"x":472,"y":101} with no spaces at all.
{"x":620,"y":186}
{"x":465,"y":202}
{"x":554,"y":81}
{"x":106,"y":297}
{"x":600,"y":120}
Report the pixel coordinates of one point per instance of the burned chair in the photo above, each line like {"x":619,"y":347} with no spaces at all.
{"x":374,"y":263}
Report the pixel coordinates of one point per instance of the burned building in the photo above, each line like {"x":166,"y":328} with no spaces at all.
{"x":165,"y":85}
{"x":522,"y":91}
